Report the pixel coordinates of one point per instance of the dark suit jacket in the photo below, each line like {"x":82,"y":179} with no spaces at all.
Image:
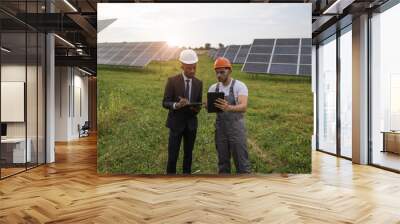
{"x":178,"y":119}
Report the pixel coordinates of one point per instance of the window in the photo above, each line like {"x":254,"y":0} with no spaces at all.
{"x":327,"y":95}
{"x":346,"y":92}
{"x":385,"y":89}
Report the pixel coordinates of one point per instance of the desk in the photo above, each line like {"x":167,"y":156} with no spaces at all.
{"x":15,"y":148}
{"x":391,"y":141}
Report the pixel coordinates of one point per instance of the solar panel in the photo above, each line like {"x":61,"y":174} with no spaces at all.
{"x":167,"y":53}
{"x":286,"y":59}
{"x":260,"y":58}
{"x":306,"y":42}
{"x":286,"y":50}
{"x":131,"y":54}
{"x":148,"y":54}
{"x":211,"y":53}
{"x":291,"y":56}
{"x":162,"y":54}
{"x":305,"y":70}
{"x":242,"y":54}
{"x":231,"y":52}
{"x":122,"y":51}
{"x":105,"y":51}
{"x":101,"y":51}
{"x":287,"y":42}
{"x":261,"y":49}
{"x":255,"y":67}
{"x":111,"y":50}
{"x":220,"y":53}
{"x":283,"y":69}
{"x":174,"y":53}
{"x":305,"y":57}
{"x":235,"y":53}
{"x":102,"y":24}
{"x":263,"y":41}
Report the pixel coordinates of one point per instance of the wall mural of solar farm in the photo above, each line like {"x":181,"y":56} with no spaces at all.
{"x":205,"y":104}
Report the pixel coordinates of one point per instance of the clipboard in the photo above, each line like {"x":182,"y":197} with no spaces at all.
{"x":193,"y":104}
{"x":211,"y":99}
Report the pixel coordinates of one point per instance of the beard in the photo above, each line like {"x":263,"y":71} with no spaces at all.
{"x":222,"y":79}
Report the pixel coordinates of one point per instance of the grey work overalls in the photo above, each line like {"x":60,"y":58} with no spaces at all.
{"x":230,"y":138}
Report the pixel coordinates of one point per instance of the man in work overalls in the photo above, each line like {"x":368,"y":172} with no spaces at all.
{"x":230,"y":131}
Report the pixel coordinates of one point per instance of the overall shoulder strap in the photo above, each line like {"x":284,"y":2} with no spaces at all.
{"x":231,"y":88}
{"x":217,"y":88}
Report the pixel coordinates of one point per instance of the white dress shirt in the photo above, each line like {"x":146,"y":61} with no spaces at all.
{"x":190,"y":87}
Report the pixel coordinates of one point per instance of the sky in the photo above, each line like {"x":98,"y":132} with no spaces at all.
{"x":193,"y":25}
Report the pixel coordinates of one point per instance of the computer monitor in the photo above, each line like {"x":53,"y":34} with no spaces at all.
{"x":3,"y":129}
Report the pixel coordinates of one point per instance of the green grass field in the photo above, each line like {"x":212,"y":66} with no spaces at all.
{"x":133,"y":139}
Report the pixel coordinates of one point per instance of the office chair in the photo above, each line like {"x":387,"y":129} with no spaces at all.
{"x":84,"y":130}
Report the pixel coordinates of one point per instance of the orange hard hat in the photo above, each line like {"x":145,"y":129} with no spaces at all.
{"x":222,"y":62}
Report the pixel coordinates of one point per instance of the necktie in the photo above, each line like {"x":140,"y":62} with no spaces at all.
{"x":187,"y":90}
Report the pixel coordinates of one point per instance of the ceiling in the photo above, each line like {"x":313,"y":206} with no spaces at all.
{"x":74,"y":22}
{"x":330,"y":15}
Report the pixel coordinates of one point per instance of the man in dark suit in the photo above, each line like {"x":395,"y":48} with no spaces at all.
{"x":180,"y":91}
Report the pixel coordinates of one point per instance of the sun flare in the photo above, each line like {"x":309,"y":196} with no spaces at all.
{"x":173,"y":41}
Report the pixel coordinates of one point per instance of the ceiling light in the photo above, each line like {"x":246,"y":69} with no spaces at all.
{"x":65,"y":41}
{"x":338,"y":6}
{"x":5,"y":50}
{"x":70,"y":5}
{"x":86,"y":72}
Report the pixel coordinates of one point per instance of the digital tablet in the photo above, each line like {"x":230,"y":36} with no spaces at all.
{"x":211,"y":99}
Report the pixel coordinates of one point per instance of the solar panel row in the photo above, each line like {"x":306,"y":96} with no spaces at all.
{"x":211,"y":53}
{"x":168,"y":53}
{"x":235,"y":53}
{"x":242,"y":54}
{"x":220,"y":53}
{"x":275,"y":56}
{"x":231,"y":51}
{"x":279,"y":56}
{"x":137,"y":54}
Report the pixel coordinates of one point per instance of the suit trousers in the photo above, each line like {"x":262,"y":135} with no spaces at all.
{"x":174,"y":144}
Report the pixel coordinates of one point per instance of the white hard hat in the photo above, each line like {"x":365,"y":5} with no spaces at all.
{"x":188,"y":56}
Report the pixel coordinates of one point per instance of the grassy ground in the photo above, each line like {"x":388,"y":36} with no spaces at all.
{"x":133,"y":138}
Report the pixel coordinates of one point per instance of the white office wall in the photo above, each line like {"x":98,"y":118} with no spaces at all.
{"x":79,"y":110}
{"x":13,"y":100}
{"x":62,"y":82}
{"x":34,"y":106}
{"x":395,"y":101}
{"x":71,"y":102}
{"x":12,"y":73}
{"x":82,"y":83}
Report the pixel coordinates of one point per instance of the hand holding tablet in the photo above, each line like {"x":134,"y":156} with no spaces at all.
{"x":212,"y":99}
